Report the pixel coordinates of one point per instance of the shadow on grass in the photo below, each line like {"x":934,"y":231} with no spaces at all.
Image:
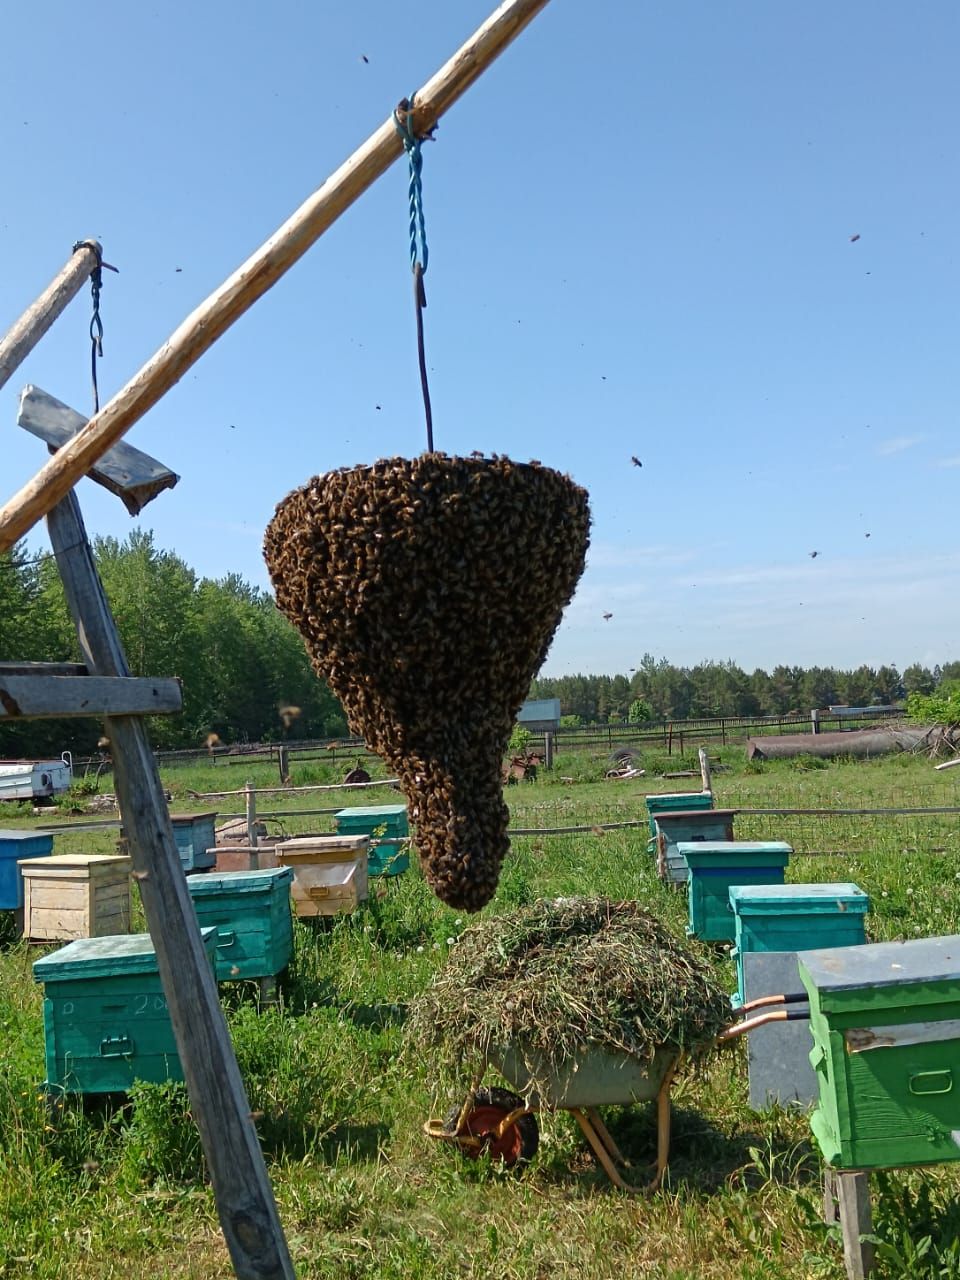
{"x":353,"y":1142}
{"x":702,"y":1157}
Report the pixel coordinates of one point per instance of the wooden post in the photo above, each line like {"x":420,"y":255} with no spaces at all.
{"x":259,"y":273}
{"x":548,"y":750}
{"x":37,"y":319}
{"x":814,"y":721}
{"x":283,"y":760}
{"x":670,"y":739}
{"x":856,"y":1221}
{"x":705,"y":769}
{"x":245,"y":1203}
{"x":251,"y":798}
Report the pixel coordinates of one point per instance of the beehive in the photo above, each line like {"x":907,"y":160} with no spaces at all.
{"x":329,"y":873}
{"x":384,"y":823}
{"x":677,"y":802}
{"x":428,"y":591}
{"x":14,"y":846}
{"x":75,"y":895}
{"x":676,"y":826}
{"x":105,"y":1018}
{"x":715,"y":865}
{"x":885,"y":1019}
{"x":195,"y":834}
{"x":795,"y":917}
{"x":251,"y":913}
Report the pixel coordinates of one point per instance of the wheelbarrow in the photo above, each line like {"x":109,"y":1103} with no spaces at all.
{"x":502,"y":1123}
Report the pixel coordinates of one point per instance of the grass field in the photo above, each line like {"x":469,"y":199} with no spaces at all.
{"x":362,"y":1193}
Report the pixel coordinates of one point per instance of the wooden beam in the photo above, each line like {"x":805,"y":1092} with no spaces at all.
{"x":132,"y":475}
{"x":38,"y":697}
{"x":42,"y":669}
{"x":245,"y":1203}
{"x":17,"y":344}
{"x":260,"y":272}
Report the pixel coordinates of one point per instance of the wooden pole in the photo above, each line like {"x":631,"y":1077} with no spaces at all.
{"x":245,"y":1203}
{"x":252,"y":825}
{"x":705,"y":769}
{"x":37,"y":319}
{"x":263,"y":269}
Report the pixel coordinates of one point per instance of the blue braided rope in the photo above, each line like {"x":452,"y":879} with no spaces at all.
{"x":418,"y":231}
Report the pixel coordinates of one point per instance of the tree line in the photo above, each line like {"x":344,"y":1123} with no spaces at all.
{"x":659,"y":690}
{"x":240,"y":661}
{"x":244,"y":667}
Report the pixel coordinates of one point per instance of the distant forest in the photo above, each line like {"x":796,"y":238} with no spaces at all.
{"x":239,"y":659}
{"x":240,"y":662}
{"x":656,"y":689}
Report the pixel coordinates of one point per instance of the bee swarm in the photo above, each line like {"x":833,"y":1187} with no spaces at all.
{"x":428,"y":591}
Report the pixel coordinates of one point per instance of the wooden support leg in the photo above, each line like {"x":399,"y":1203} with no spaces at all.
{"x":829,"y":1196}
{"x":245,"y":1203}
{"x":856,"y":1221}
{"x":268,"y":992}
{"x":847,"y":1195}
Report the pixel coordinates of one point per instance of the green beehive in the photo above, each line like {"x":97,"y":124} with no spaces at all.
{"x":715,"y":865}
{"x":691,"y":826}
{"x":251,"y":913}
{"x":105,"y":1018}
{"x":675,"y":802}
{"x":795,"y":917}
{"x":386,"y":823}
{"x":885,"y":1019}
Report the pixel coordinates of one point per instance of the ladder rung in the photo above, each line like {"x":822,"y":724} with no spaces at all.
{"x":37,"y":697}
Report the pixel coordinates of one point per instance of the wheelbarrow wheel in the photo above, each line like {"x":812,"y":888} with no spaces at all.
{"x":516,"y":1145}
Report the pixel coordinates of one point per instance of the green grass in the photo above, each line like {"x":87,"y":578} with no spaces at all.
{"x":363,"y":1193}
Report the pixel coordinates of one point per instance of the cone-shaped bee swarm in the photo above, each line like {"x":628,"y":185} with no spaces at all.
{"x":428,"y":591}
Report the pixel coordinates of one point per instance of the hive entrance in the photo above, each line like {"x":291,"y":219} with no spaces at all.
{"x":428,"y":591}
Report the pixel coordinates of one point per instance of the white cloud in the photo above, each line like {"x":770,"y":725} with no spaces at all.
{"x":897,"y":444}
{"x":948,"y":462}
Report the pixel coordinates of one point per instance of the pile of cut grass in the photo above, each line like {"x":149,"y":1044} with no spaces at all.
{"x":562,"y":976}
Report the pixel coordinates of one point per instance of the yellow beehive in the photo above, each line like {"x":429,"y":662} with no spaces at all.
{"x":329,"y":873}
{"x":75,"y":895}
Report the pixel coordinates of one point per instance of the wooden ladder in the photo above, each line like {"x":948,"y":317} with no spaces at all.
{"x":103,"y":687}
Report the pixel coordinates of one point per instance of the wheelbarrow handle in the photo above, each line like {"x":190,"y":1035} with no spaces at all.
{"x":762,"y":1002}
{"x":771,"y":1015}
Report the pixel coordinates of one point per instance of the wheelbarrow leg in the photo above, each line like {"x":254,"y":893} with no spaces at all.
{"x":606,"y":1137}
{"x":606,"y":1150}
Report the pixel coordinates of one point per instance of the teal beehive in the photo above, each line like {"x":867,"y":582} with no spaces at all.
{"x":691,"y":826}
{"x":251,"y":913}
{"x":676,"y":802}
{"x":14,"y":846}
{"x":714,"y":866}
{"x":105,"y":1017}
{"x":196,"y":837}
{"x":386,"y":823}
{"x":795,"y":917}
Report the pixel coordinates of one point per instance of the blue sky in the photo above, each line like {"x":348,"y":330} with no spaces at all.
{"x":641,"y":226}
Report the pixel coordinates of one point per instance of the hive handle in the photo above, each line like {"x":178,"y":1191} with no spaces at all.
{"x":116,"y":1047}
{"x":944,"y":1075}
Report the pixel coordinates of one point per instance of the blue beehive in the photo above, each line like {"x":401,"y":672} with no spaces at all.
{"x":14,"y":846}
{"x":251,"y":913}
{"x":386,"y":823}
